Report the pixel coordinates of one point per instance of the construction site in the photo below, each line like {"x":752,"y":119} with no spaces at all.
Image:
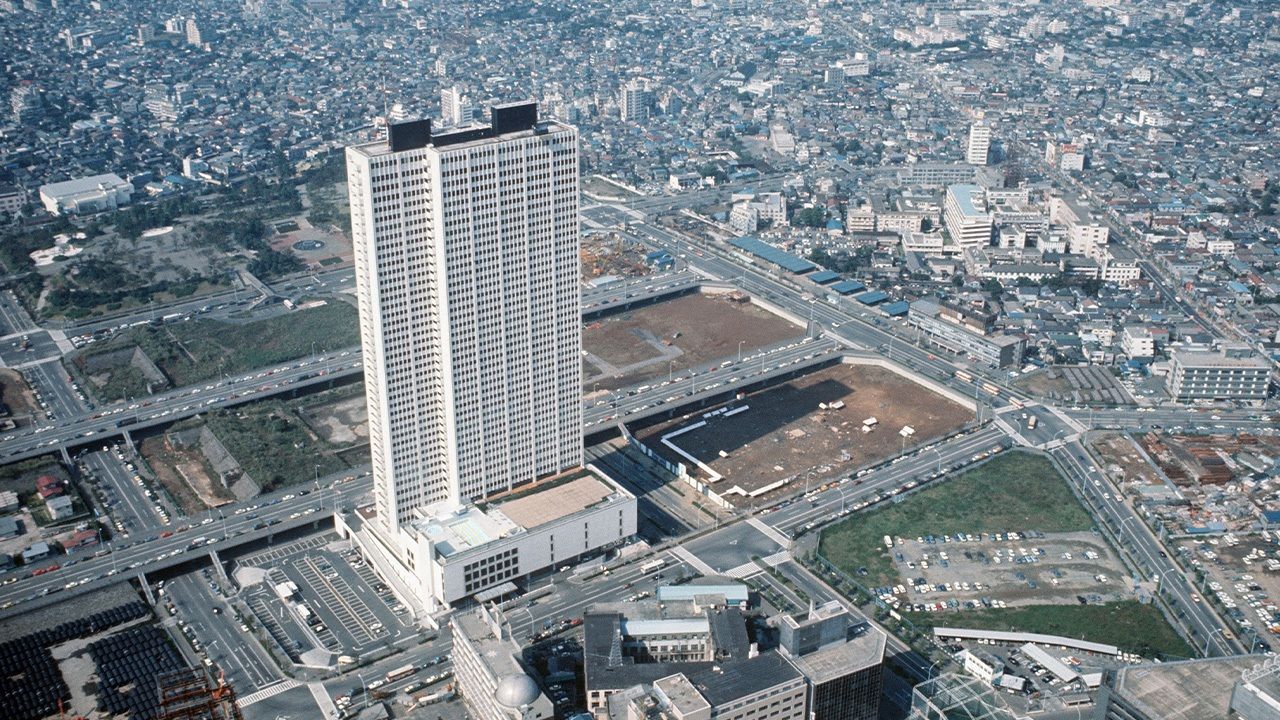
{"x":670,"y":336}
{"x":805,"y":432}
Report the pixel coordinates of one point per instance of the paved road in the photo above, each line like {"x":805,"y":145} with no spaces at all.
{"x":109,"y":421}
{"x":245,"y":662}
{"x":1140,"y":545}
{"x":127,"y":500}
{"x":52,"y":386}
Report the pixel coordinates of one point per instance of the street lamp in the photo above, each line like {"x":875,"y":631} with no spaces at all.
{"x":1209,"y":637}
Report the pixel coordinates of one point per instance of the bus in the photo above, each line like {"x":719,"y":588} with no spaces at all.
{"x":1016,"y":403}
{"x":400,"y":673}
{"x":962,"y":375}
{"x":993,"y":389}
{"x":651,"y":566}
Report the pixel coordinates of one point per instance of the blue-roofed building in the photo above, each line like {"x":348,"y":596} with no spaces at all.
{"x":872,"y":297}
{"x":898,"y":308}
{"x":769,"y":253}
{"x":848,"y":287}
{"x":822,"y":277}
{"x":735,"y":595}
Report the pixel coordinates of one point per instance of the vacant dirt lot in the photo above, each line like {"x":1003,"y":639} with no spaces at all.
{"x":186,"y":474}
{"x":1129,"y":465}
{"x":16,"y":395}
{"x":1016,"y":572}
{"x":785,"y":433}
{"x":341,"y":423}
{"x":691,"y":330}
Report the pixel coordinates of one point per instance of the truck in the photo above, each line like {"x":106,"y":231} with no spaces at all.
{"x":400,"y":673}
{"x":1032,"y":421}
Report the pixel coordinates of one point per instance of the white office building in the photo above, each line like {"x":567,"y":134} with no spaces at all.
{"x":1234,"y":373}
{"x":455,"y":108}
{"x":979,"y":145}
{"x":466,"y":252}
{"x":467,"y":278}
{"x":86,"y":195}
{"x":966,"y":217}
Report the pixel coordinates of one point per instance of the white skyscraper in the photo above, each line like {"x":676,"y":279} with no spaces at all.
{"x":455,"y":108}
{"x":979,"y":144}
{"x":634,"y":100}
{"x":467,"y":276}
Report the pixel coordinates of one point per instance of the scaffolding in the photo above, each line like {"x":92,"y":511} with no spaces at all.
{"x":191,"y":695}
{"x":956,"y":697}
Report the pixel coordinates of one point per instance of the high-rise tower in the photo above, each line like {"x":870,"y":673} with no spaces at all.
{"x":467,"y":276}
{"x":979,"y":144}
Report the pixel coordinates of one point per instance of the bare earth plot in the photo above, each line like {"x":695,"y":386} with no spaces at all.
{"x":629,"y":347}
{"x":186,"y":474}
{"x":785,"y":433}
{"x":340,"y":423}
{"x":1129,"y":465}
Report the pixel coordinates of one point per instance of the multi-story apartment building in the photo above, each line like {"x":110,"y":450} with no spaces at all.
{"x":1233,"y":373}
{"x":978,"y":147}
{"x":966,"y":217}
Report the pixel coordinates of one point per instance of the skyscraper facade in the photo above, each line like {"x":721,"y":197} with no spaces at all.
{"x":976,"y":151}
{"x":467,"y":277}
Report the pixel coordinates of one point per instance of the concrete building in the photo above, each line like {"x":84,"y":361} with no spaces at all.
{"x":841,"y":658}
{"x":86,"y":195}
{"x":12,"y":199}
{"x":978,"y":148}
{"x":981,"y":665}
{"x":1138,"y":342}
{"x":466,"y":251}
{"x":966,"y":332}
{"x":965,"y":216}
{"x":449,"y":554}
{"x":635,"y":99}
{"x":467,"y":270}
{"x":455,"y":108}
{"x":491,"y":680}
{"x":1227,"y":688}
{"x":1233,"y":373}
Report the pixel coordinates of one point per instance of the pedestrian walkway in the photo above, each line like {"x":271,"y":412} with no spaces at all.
{"x":769,"y":531}
{"x":693,"y":561}
{"x":269,"y":691}
{"x":745,"y":570}
{"x":322,"y":699}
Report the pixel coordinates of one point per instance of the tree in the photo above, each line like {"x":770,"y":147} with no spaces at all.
{"x":809,"y":217}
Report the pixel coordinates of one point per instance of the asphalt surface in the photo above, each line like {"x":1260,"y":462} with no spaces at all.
{"x":127,"y":500}
{"x":245,"y":662}
{"x":1140,"y":545}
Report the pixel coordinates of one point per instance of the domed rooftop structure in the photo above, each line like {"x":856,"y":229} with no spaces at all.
{"x":515,"y":690}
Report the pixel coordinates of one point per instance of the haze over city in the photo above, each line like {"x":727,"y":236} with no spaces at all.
{"x":698,"y":360}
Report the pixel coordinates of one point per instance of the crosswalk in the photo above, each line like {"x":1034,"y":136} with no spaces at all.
{"x":748,"y":569}
{"x":770,"y":532}
{"x":681,"y":554}
{"x":269,"y":691}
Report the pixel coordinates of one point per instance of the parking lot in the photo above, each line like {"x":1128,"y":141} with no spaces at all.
{"x":316,"y":593}
{"x":1005,"y":569}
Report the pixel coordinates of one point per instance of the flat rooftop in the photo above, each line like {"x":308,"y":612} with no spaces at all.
{"x":836,"y":660}
{"x":455,"y":529}
{"x":537,"y":507}
{"x":1189,"y":690}
{"x":1207,"y":359}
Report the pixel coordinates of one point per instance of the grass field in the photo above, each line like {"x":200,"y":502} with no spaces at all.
{"x":200,"y":350}
{"x":272,"y":444}
{"x":1130,"y":625}
{"x":1016,"y":491}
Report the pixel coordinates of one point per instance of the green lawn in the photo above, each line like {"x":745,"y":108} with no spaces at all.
{"x":272,"y":444}
{"x":1130,"y":625}
{"x":1016,"y":491}
{"x":199,"y":350}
